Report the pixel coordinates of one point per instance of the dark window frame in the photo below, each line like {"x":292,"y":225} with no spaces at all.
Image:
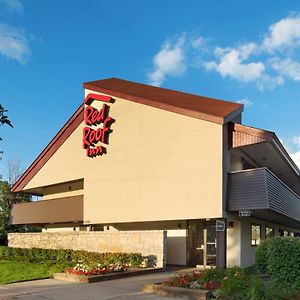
{"x":257,"y":242}
{"x":273,"y":231}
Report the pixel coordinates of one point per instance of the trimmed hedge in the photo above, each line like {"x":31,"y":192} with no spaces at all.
{"x":3,"y":239}
{"x":67,"y":255}
{"x":280,"y":257}
{"x":262,"y":255}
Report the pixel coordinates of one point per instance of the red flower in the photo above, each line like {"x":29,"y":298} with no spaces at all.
{"x":197,"y":274}
{"x":210,"y":285}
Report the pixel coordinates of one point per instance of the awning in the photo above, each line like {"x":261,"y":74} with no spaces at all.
{"x":61,"y":210}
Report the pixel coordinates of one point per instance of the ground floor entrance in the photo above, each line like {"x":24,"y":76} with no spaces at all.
{"x":202,"y":243}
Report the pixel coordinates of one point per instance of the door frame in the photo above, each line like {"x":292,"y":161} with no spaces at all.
{"x":204,"y":224}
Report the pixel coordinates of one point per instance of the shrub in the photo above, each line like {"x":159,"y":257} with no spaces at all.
{"x":3,"y":239}
{"x":215,"y":275}
{"x":236,"y":284}
{"x":284,"y":261}
{"x":67,"y":255}
{"x":262,"y":254}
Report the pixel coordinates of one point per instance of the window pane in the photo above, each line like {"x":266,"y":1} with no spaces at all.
{"x":255,"y":235}
{"x":269,"y":232}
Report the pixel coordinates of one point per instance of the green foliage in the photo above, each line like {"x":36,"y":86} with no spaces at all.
{"x":7,"y":200}
{"x":3,"y":117}
{"x":280,"y":257}
{"x":14,"y":271}
{"x":256,"y":288}
{"x":3,"y":239}
{"x":262,"y":255}
{"x":284,"y":261}
{"x":215,"y":275}
{"x":273,"y":292}
{"x":67,"y":255}
{"x":237,"y":284}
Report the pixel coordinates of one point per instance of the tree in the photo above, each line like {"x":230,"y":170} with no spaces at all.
{"x":4,"y":118}
{"x":7,"y":200}
{"x":14,"y":170}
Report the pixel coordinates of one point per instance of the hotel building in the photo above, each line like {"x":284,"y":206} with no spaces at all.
{"x":166,"y":173}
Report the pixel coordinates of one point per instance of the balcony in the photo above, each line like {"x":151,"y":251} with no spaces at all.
{"x":61,"y":210}
{"x":265,"y":195}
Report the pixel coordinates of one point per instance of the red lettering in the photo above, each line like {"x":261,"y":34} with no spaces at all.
{"x":91,"y":137}
{"x":105,"y":129}
{"x":92,"y":152}
{"x":93,"y":116}
{"x":86,"y":132}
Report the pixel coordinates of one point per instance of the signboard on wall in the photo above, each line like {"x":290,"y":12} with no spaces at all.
{"x":220,"y":225}
{"x":245,"y":213}
{"x":98,"y":122}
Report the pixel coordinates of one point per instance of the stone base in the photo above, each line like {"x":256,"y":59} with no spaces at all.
{"x":177,"y":292}
{"x":151,"y":243}
{"x":97,"y":278}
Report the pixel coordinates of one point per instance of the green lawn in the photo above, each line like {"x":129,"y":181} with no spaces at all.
{"x":14,"y":271}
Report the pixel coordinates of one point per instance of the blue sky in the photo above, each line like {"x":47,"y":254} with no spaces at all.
{"x":245,"y":51}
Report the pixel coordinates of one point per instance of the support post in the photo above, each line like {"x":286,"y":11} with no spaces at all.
{"x":221,"y":246}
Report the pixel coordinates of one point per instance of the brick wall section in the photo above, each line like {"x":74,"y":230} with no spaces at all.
{"x":149,"y":243}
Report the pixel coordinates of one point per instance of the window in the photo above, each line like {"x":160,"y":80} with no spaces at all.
{"x":269,"y":232}
{"x":255,"y":234}
{"x":283,"y":232}
{"x":292,"y":234}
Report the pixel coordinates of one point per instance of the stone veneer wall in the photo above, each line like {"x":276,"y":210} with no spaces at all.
{"x":149,"y":243}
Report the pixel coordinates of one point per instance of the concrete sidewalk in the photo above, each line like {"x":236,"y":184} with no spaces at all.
{"x":119,"y":289}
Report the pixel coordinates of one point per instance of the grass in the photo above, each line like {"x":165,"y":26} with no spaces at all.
{"x":14,"y":271}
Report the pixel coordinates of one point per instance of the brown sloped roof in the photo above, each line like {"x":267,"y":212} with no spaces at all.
{"x":209,"y":109}
{"x":217,"y":111}
{"x":242,"y":135}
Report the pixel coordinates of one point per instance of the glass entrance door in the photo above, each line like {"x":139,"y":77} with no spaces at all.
{"x":201,"y":244}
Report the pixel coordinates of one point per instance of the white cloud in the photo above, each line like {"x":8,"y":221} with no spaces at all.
{"x":283,"y":34}
{"x":12,"y":6}
{"x":13,"y":43}
{"x":267,"y":63}
{"x":296,"y":140}
{"x":231,"y":63}
{"x":287,"y":67}
{"x":170,"y":60}
{"x":296,"y":158}
{"x":245,"y":102}
{"x":198,"y":42}
{"x":269,"y":82}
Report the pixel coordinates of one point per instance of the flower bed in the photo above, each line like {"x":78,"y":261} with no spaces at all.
{"x":85,"y":274}
{"x":85,"y":270}
{"x":194,"y":280}
{"x":233,"y":284}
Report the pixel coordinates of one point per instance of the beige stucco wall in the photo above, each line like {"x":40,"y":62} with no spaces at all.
{"x":159,"y":166}
{"x":149,"y":243}
{"x":239,"y":249}
{"x":233,"y":252}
